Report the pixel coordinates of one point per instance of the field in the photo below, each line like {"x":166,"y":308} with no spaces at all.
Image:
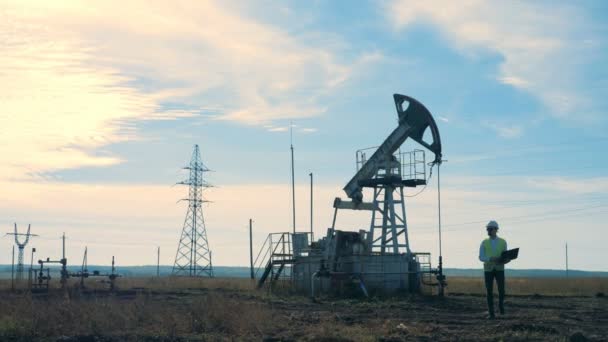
{"x":166,"y":309}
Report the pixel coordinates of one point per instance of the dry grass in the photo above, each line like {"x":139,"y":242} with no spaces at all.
{"x":467,"y":285}
{"x":532,"y":286}
{"x":150,"y":283}
{"x":134,"y":315}
{"x":232,"y":309}
{"x":183,"y":283}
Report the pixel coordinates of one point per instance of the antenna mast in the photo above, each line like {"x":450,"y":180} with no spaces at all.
{"x":193,"y":257}
{"x":293,"y":182}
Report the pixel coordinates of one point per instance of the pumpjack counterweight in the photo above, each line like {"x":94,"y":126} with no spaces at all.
{"x":193,"y":257}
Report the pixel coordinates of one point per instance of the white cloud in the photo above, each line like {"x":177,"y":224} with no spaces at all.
{"x":596,"y":185}
{"x":539,"y":42}
{"x":265,"y":73}
{"x":76,"y":77}
{"x":308,"y":130}
{"x":508,"y":131}
{"x":55,"y":108}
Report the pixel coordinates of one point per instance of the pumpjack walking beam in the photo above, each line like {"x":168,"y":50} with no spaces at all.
{"x":414,"y":120}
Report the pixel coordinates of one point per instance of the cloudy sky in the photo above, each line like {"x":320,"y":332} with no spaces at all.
{"x":102,"y":102}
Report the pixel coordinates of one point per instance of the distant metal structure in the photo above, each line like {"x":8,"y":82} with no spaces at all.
{"x":84,"y":271}
{"x":193,"y":257}
{"x":21,"y":246}
{"x":158,"y":261}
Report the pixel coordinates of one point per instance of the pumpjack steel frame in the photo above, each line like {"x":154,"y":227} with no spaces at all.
{"x":381,"y":258}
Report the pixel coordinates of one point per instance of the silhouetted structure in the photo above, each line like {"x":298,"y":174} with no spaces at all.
{"x":193,"y":256}
{"x":21,"y":246}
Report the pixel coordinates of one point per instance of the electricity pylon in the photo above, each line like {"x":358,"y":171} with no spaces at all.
{"x":193,"y":257}
{"x":21,"y":246}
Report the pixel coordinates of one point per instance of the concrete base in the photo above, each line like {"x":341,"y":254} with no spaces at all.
{"x":352,"y":274}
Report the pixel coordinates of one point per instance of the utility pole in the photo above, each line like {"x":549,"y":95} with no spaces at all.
{"x":311,"y":231}
{"x":13,"y":271}
{"x":31,"y":265}
{"x":293,"y":182}
{"x":251,"y":247}
{"x":113,"y":276}
{"x":567,"y":260}
{"x":158,"y":261}
{"x":211,"y":259}
{"x":64,"y":263}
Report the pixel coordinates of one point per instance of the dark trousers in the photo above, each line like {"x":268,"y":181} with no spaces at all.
{"x":500,"y":282}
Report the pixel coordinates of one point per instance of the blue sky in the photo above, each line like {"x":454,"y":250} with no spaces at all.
{"x":103,"y":104}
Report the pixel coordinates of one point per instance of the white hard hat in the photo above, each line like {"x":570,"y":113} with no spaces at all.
{"x":492,"y":224}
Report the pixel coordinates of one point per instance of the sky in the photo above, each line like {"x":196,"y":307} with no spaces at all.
{"x":101,"y":104}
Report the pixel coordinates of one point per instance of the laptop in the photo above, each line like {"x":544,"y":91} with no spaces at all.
{"x":511,"y":254}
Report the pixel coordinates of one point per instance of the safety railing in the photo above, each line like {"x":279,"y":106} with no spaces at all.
{"x":274,"y":258}
{"x":412,"y":164}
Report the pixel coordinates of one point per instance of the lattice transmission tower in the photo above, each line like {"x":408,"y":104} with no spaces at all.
{"x":21,"y":246}
{"x":193,"y":257}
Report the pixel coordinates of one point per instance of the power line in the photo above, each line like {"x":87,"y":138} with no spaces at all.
{"x":526,"y":216}
{"x":494,"y":207}
{"x":530,"y":218}
{"x":538,"y":148}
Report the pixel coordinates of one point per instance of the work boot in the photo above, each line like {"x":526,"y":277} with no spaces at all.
{"x":491,"y":316}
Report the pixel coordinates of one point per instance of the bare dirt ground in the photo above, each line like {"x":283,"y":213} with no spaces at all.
{"x":236,"y":312}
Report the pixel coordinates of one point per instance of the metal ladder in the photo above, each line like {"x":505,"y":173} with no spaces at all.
{"x":275,"y":259}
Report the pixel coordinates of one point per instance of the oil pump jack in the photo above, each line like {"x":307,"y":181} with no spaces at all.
{"x":379,"y":259}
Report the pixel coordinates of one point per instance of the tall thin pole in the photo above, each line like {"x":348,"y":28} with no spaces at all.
{"x":311,"y":230}
{"x":567,"y":260}
{"x":64,"y":263}
{"x":13,"y":271}
{"x":440,"y":276}
{"x":158,"y":261}
{"x":31,"y":265}
{"x":211,"y":260}
{"x":251,"y":247}
{"x":32,"y":260}
{"x":293,"y":182}
{"x":439,"y":205}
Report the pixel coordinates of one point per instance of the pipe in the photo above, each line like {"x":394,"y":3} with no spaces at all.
{"x":312,"y":284}
{"x":362,"y":286}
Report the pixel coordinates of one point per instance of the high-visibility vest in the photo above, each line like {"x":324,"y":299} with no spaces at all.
{"x":501,"y":246}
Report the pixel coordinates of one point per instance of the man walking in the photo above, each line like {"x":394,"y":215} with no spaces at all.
{"x":493,"y":267}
